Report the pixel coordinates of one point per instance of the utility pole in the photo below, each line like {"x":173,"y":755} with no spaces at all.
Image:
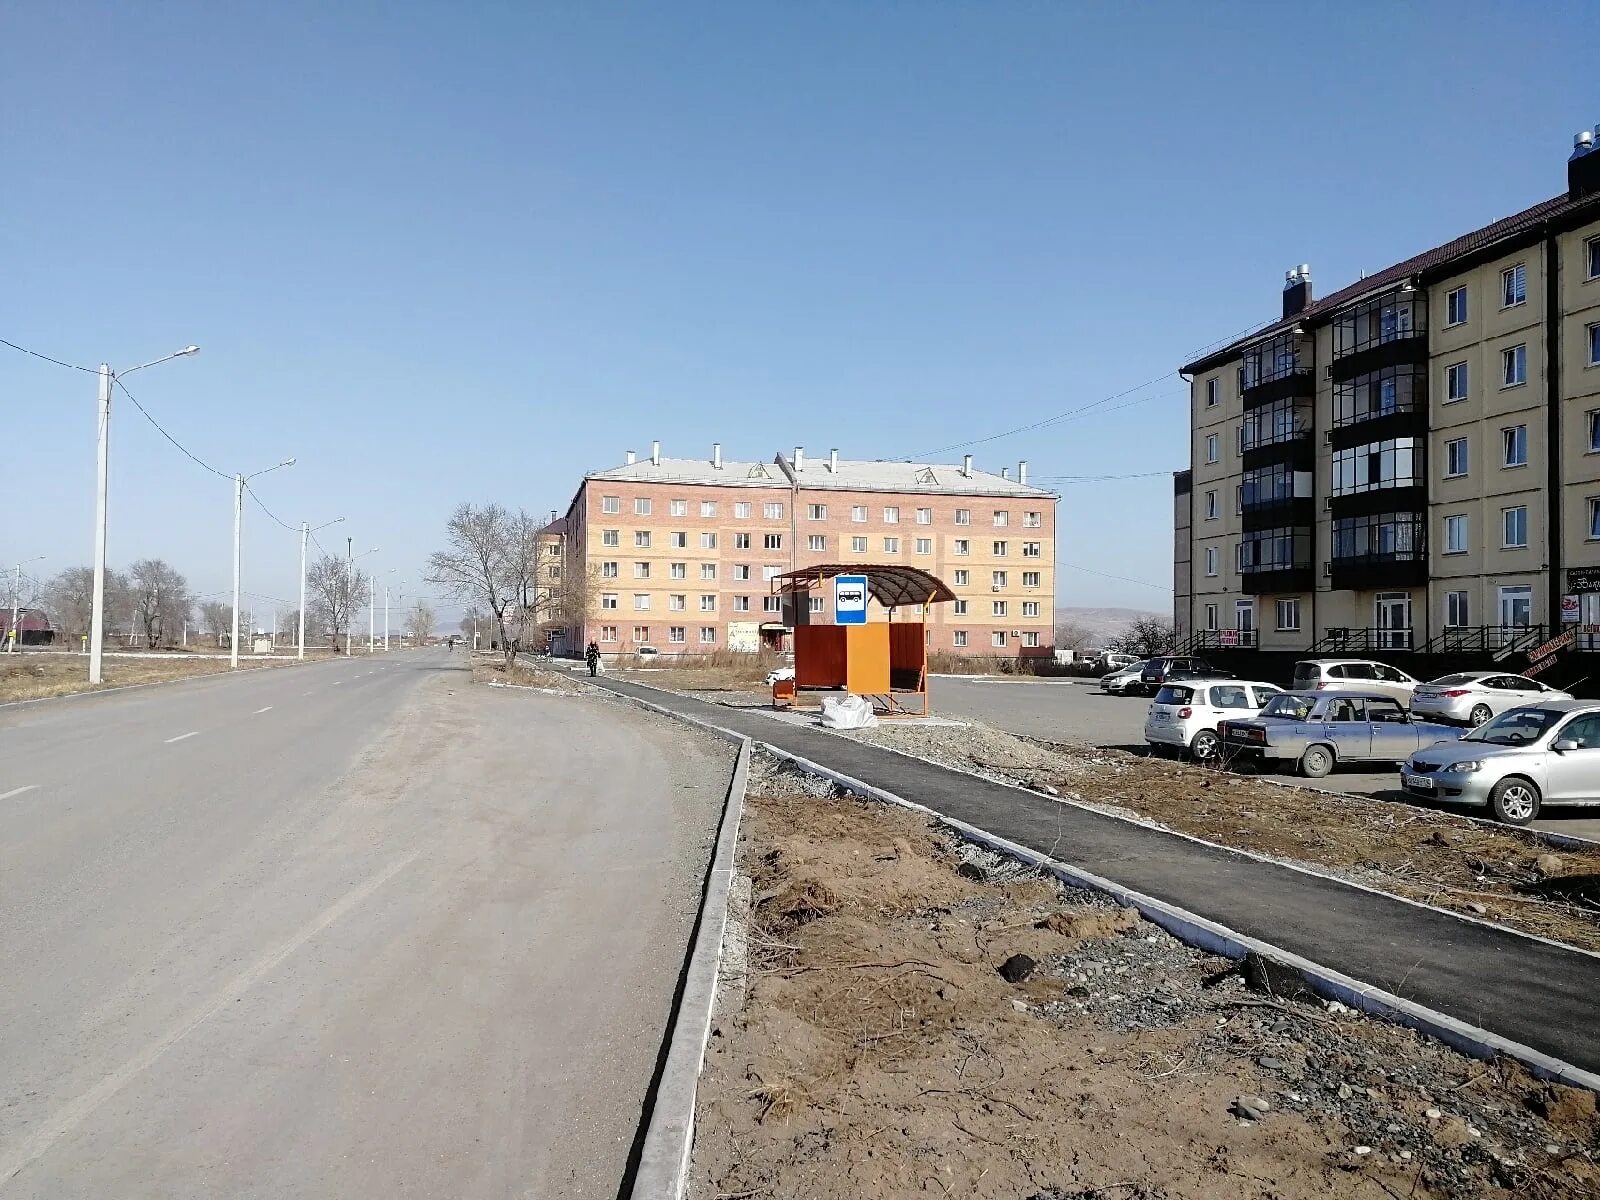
{"x":386,"y":616}
{"x":305,"y":533}
{"x":16,"y":602}
{"x":97,"y":619}
{"x":349,"y":589}
{"x":372,"y":612}
{"x":238,"y":514}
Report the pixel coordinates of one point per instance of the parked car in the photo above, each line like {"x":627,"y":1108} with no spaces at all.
{"x":1123,"y":682}
{"x":1547,"y":752}
{"x":1186,"y":714}
{"x":1361,"y":675}
{"x":1156,"y":670}
{"x":1110,"y":661}
{"x":1473,"y":697}
{"x":1319,"y":730}
{"x":648,"y":653}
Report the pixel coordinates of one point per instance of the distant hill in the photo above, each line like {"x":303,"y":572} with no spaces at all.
{"x":1100,"y":625}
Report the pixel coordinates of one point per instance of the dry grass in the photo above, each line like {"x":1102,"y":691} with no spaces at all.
{"x":37,"y":676}
{"x":718,"y":670}
{"x":491,"y":669}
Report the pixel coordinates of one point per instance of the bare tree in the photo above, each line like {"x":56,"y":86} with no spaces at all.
{"x":289,"y":625}
{"x":69,"y":601}
{"x":1071,"y":636}
{"x":335,"y":593}
{"x":161,"y":599}
{"x":419,"y":623}
{"x":1145,"y":637}
{"x":492,"y":558}
{"x":216,"y":618}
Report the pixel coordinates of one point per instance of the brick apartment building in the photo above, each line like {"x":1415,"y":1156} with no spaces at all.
{"x":679,"y":553}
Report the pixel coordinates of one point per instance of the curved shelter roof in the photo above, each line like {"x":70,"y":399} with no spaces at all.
{"x":890,"y":584}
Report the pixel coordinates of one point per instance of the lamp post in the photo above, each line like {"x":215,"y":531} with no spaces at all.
{"x":390,"y":571}
{"x":97,"y":618}
{"x":350,"y":560}
{"x":305,"y":533}
{"x":16,"y":602}
{"x":238,"y":515}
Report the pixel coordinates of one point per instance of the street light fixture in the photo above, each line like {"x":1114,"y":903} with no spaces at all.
{"x":97,"y":619}
{"x":350,"y":589}
{"x":238,"y":515}
{"x":305,"y":533}
{"x":15,"y":634}
{"x":390,"y":571}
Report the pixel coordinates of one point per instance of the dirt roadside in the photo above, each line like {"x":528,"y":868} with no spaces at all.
{"x":30,"y":676}
{"x":491,"y":669}
{"x":877,"y":1049}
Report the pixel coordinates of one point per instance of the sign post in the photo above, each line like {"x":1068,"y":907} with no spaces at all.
{"x":850,"y":599}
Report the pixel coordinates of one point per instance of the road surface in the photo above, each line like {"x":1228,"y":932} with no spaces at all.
{"x":358,"y":928}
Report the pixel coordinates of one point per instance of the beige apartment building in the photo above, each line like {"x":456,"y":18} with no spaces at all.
{"x":679,"y":554}
{"x":1413,"y":462}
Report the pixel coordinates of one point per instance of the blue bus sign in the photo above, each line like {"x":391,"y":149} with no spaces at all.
{"x":850,"y":599}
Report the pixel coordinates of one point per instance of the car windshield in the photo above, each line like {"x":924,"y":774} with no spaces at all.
{"x":1515,"y":728}
{"x":1292,"y":708}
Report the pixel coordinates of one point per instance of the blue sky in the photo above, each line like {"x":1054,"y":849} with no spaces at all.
{"x":465,"y":252}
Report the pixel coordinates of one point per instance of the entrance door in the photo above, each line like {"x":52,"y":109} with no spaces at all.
{"x":1516,"y":607}
{"x":1244,"y":620}
{"x":1394,"y":620}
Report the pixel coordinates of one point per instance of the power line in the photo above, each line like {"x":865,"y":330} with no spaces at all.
{"x":268,"y":511}
{"x":1160,"y":587}
{"x":1101,"y":478}
{"x":48,"y":359}
{"x":185,"y":450}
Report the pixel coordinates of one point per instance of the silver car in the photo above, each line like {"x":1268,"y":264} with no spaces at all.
{"x":1124,"y":681}
{"x":1319,"y":730}
{"x":1545,"y":753}
{"x":1472,"y":697}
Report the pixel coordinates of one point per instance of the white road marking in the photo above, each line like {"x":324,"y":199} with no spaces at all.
{"x":63,"y":1121}
{"x":337,"y":682}
{"x":181,"y":736}
{"x":259,"y":711}
{"x":27,"y":787}
{"x":308,"y":693}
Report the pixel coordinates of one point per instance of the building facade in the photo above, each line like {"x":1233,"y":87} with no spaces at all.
{"x":1412,"y":463}
{"x":680,"y":554}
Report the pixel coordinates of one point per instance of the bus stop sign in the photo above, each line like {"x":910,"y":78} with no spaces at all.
{"x":850,"y":599}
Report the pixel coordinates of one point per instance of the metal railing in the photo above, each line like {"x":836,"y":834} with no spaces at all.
{"x":1362,"y":640}
{"x":1219,"y":639}
{"x":1499,"y":640}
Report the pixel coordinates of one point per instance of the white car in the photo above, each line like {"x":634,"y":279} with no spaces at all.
{"x":648,"y":653}
{"x":1184,"y":715}
{"x":1124,"y":681}
{"x":1362,"y":676}
{"x":1472,"y":697}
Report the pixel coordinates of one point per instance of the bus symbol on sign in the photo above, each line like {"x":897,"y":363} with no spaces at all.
{"x":850,"y":599}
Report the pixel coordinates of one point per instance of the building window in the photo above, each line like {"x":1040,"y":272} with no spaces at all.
{"x":1594,"y":431}
{"x":708,"y":570}
{"x":1211,"y":393}
{"x":858,"y":513}
{"x":1455,"y":534}
{"x":1594,"y":518}
{"x":771,"y":604}
{"x":677,"y":602}
{"x":772,"y":510}
{"x":1456,"y":614}
{"x":891,"y":516}
{"x":997,"y":578}
{"x":997,"y":607}
{"x":1455,"y":307}
{"x":1380,"y":537}
{"x":1213,"y":448}
{"x":611,"y":504}
{"x":611,"y":537}
{"x":641,"y":570}
{"x":1513,"y":285}
{"x":816,"y":512}
{"x":641,"y":601}
{"x":708,"y":635}
{"x":958,"y":638}
{"x":1031,"y":550}
{"x":1282,"y":549}
{"x":960,"y":608}
{"x":1456,"y":379}
{"x":641,"y":633}
{"x":769,"y":572}
{"x":741,"y":570}
{"x":1516,"y":527}
{"x":1514,"y":366}
{"x":1594,"y":345}
{"x":891,"y":545}
{"x":1455,"y":458}
{"x":962,"y":546}
{"x":608,"y":570}
{"x":608,"y":633}
{"x":816,"y":604}
{"x":963,"y":516}
{"x":678,"y":570}
{"x":1388,"y":464}
{"x":962,"y":578}
{"x":924,"y":516}
{"x":741,"y":604}
{"x":608,"y":600}
{"x":858,"y":545}
{"x":641,"y":506}
{"x":1002,"y":518}
{"x":1032,"y":520}
{"x":708,"y":508}
{"x":678,"y":508}
{"x":1030,"y":608}
{"x":1213,"y":509}
{"x":1211,"y":616}
{"x":1030,"y":579}
{"x":1288,"y":615}
{"x":772,"y":541}
{"x":679,"y":539}
{"x":1211,"y":561}
{"x":1030,"y":637}
{"x":708,"y":540}
{"x":817,"y":542}
{"x":997,"y":639}
{"x":1514,"y":446}
{"x":708,"y":604}
{"x":1593,"y":245}
{"x":741,"y":541}
{"x":999,"y":549}
{"x":741,"y":510}
{"x":641,"y":537}
{"x":924,"y":545}
{"x":675,"y":633}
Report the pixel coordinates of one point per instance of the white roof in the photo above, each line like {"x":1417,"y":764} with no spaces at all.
{"x":854,"y":475}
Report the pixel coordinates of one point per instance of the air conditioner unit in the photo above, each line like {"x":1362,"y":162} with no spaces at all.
{"x":994,"y":587}
{"x":1327,"y":569}
{"x":1016,"y":633}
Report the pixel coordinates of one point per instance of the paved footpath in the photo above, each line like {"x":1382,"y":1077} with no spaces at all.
{"x":1532,"y":992}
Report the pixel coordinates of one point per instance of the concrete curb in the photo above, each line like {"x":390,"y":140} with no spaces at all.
{"x":1204,"y":934}
{"x":663,"y":1170}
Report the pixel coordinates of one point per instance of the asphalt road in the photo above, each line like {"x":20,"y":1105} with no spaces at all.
{"x":1078,"y":711}
{"x":353,"y":929}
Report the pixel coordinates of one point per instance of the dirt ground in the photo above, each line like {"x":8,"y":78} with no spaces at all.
{"x":491,"y":669}
{"x":31,"y":676}
{"x":1513,"y":876}
{"x":875,"y":1049}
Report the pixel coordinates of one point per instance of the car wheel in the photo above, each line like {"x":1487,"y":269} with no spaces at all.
{"x":1316,"y":762}
{"x":1514,"y":801}
{"x":1206,"y":747}
{"x":1479,"y":714}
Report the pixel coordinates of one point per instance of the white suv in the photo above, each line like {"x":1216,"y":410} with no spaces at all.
{"x":1353,"y":675}
{"x":1184,"y":715}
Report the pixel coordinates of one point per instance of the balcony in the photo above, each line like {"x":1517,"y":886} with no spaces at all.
{"x":1367,"y":572}
{"x":1389,"y":403}
{"x":1379,"y":550}
{"x":1277,"y":580}
{"x":1277,"y":369}
{"x":1387,"y":331}
{"x":1276,"y":560}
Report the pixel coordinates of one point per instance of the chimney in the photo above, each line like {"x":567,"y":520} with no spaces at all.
{"x":799,"y":458}
{"x":966,"y":465}
{"x":716,"y":455}
{"x":630,"y":459}
{"x":552,"y":516}
{"x":655,"y":453}
{"x":1296,"y":289}
{"x":1005,"y":472}
{"x":1583,"y":168}
{"x":1022,"y":471}
{"x":833,"y":461}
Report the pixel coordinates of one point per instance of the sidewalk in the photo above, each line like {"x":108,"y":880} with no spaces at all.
{"x":1532,"y":992}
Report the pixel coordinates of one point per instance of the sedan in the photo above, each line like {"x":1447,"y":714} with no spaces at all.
{"x":1547,"y":752}
{"x":1319,"y":730}
{"x":1472,"y":697}
{"x":1123,"y":681}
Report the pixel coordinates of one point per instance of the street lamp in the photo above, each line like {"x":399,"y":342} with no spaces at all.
{"x":390,"y":571}
{"x":238,"y":515}
{"x":350,"y":561}
{"x":305,"y":533}
{"x":97,"y":620}
{"x":16,"y":602}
